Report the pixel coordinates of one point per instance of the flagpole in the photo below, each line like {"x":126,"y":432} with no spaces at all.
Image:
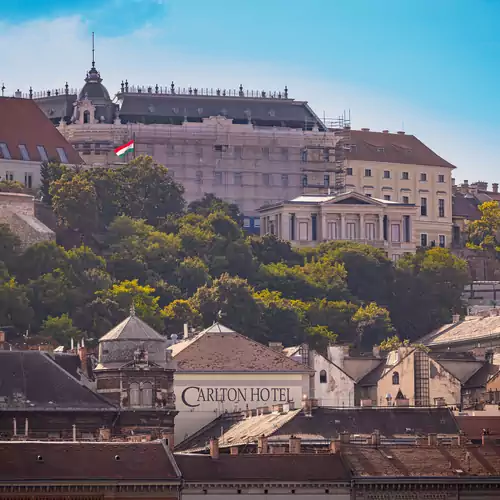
{"x":133,"y":138}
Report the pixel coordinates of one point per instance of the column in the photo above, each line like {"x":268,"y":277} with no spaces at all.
{"x":343,"y":230}
{"x":381,"y":227}
{"x":361,"y":226}
{"x":324,"y":228}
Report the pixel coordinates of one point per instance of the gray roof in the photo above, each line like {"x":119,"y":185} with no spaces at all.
{"x":132,"y":328}
{"x":57,"y":107}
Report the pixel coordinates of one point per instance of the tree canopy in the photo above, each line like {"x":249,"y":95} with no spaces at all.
{"x":195,"y":264}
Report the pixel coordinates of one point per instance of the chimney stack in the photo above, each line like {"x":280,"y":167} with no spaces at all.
{"x":494,"y":186}
{"x":262,"y":445}
{"x":345,"y":437}
{"x":74,"y":433}
{"x":365,"y":129}
{"x":276,"y":346}
{"x":376,"y":438}
{"x":335,"y":446}
{"x":455,"y":318}
{"x":83,"y":354}
{"x":432,"y":440}
{"x":18,"y":94}
{"x":104,"y":434}
{"x":401,"y":132}
{"x":385,"y":131}
{"x":186,"y":331}
{"x":294,"y":445}
{"x":234,"y":450}
{"x":214,"y":448}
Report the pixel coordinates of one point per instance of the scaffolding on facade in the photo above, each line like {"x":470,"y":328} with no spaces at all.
{"x":422,"y":374}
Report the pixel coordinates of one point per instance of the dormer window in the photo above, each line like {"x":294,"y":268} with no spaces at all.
{"x":62,"y":155}
{"x":43,"y":153}
{"x":4,"y":149}
{"x":380,"y":150}
{"x":24,"y":152}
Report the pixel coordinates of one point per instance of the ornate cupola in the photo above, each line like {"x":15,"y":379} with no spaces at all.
{"x":135,"y":370}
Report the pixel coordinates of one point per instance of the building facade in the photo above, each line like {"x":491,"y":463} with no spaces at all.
{"x":311,"y":219}
{"x":219,"y":371}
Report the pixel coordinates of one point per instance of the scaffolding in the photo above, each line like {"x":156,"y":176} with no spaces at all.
{"x":422,"y":374}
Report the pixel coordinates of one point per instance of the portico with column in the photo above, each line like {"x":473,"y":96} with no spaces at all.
{"x":350,"y":216}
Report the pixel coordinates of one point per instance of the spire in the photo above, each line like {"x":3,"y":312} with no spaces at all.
{"x":132,"y":309}
{"x":93,"y":51}
{"x":93,"y":75}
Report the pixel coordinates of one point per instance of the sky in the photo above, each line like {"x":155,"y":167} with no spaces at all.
{"x":428,"y":67}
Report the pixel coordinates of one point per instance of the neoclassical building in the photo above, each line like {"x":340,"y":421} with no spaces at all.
{"x":311,"y":219}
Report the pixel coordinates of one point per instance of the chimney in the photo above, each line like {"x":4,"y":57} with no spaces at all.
{"x":294,"y":445}
{"x":401,"y":132}
{"x":83,"y":354}
{"x":345,"y":437}
{"x":455,"y":318}
{"x":186,"y":331}
{"x":365,"y":130}
{"x":26,"y":427}
{"x":482,"y":185}
{"x":376,"y":438}
{"x":18,"y":94}
{"x":14,"y":422}
{"x":376,"y":351}
{"x":494,"y":186}
{"x":385,"y":131}
{"x":460,"y":439}
{"x":335,"y":446}
{"x":104,"y":434}
{"x":276,"y":346}
{"x":214,"y":448}
{"x":453,"y":181}
{"x":74,"y":432}
{"x":432,"y":440}
{"x":479,"y":353}
{"x":234,"y":450}
{"x":262,"y":446}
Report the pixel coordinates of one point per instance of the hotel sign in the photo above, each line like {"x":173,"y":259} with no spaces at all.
{"x":195,"y":396}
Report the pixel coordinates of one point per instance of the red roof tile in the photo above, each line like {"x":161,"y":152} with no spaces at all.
{"x":23,"y":122}
{"x":472,"y":426}
{"x":392,"y":148}
{"x":39,"y":461}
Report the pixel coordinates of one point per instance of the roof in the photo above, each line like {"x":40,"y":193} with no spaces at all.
{"x":32,"y":380}
{"x":132,"y":328}
{"x":471,"y":329}
{"x":23,"y":123}
{"x":482,"y":376}
{"x":472,"y":425}
{"x":174,"y":108}
{"x":422,"y":461}
{"x":465,"y":206}
{"x":268,"y":468}
{"x":392,"y":148}
{"x":219,"y":348}
{"x":323,"y":424}
{"x":84,"y":461}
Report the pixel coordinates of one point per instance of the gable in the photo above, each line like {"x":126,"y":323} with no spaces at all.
{"x":352,"y":201}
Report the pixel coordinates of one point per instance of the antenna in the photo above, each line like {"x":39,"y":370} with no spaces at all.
{"x":93,"y":51}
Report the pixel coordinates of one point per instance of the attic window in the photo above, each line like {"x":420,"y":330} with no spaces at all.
{"x":42,"y":153}
{"x":395,"y":378}
{"x":62,"y":155}
{"x":5,"y":151}
{"x":322,"y":377}
{"x":221,"y":148}
{"x":380,"y":150}
{"x":24,"y":152}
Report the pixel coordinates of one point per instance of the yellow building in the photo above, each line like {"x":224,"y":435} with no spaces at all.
{"x":399,"y":168}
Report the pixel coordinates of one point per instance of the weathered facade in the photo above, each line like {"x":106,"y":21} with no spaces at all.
{"x":311,"y":219}
{"x":18,"y":212}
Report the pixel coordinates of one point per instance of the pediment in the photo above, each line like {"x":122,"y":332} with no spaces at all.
{"x":354,"y":199}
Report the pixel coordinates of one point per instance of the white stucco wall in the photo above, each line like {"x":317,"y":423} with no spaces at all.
{"x":202,"y":397}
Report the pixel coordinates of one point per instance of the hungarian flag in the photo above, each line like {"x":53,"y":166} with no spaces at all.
{"x":123,"y":150}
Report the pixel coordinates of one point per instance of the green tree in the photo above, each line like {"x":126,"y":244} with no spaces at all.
{"x":483,"y":233}
{"x":7,"y":186}
{"x":394,"y":342}
{"x":192,"y":273}
{"x":9,"y":245}
{"x":373,"y":324}
{"x":49,"y":173}
{"x":178,"y":313}
{"x":39,"y":259}
{"x":210,"y":204}
{"x":269,"y":249}
{"x":15,"y":307}
{"x":60,"y":329}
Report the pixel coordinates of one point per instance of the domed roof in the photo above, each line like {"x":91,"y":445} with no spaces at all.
{"x":93,"y":88}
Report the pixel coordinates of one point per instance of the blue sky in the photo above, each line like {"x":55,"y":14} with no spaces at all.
{"x":430,"y":65}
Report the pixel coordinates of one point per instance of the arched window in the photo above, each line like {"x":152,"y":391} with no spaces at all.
{"x":134,"y":397}
{"x":147,"y":394}
{"x":395,"y":378}
{"x":86,"y":117}
{"x":322,"y":377}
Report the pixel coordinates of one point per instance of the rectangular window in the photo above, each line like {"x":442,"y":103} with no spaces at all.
{"x":395,"y":257}
{"x":284,"y":153}
{"x":326,"y":180}
{"x":441,"y":178}
{"x":441,"y":207}
{"x":314,"y":227}
{"x":62,"y":155}
{"x":28,"y":180}
{"x":256,"y":223}
{"x":407,"y":228}
{"x":405,"y":176}
{"x":387,"y":174}
{"x":303,"y":236}
{"x":368,"y":172}
{"x":238,"y":179}
{"x":218,"y":178}
{"x":423,"y":177}
{"x":292,"y":227}
{"x":303,"y":156}
{"x":265,"y":153}
{"x":199,"y":177}
{"x":442,"y":240}
{"x":326,"y":155}
{"x":348,"y":171}
{"x":9,"y":176}
{"x":351,"y":230}
{"x":332,"y":230}
{"x":406,"y":200}
{"x":4,"y":149}
{"x":266,"y":179}
{"x":423,"y":240}
{"x":370,"y":231}
{"x":304,"y":180}
{"x":284,"y":180}
{"x":24,"y":152}
{"x":42,"y":153}
{"x":220,"y":148}
{"x":395,"y":233}
{"x":423,"y":207}
{"x":387,"y":197}
{"x":246,"y":222}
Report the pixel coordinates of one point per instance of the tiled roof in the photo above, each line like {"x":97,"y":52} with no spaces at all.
{"x":219,"y":348}
{"x":57,"y":107}
{"x":392,"y":148}
{"x":324,"y":424}
{"x":465,"y":206}
{"x":471,"y":329}
{"x":482,"y":376}
{"x":85,"y":461}
{"x":23,"y":122}
{"x":33,"y":380}
{"x":423,"y":461}
{"x":132,"y":328}
{"x":472,"y":425}
{"x":269,"y":468}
